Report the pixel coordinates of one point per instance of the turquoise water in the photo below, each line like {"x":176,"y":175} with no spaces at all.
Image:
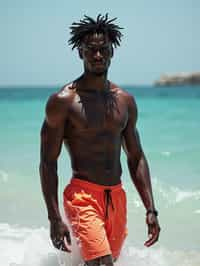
{"x":169,"y":127}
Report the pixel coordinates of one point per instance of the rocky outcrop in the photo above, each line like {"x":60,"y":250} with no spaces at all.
{"x":179,"y":79}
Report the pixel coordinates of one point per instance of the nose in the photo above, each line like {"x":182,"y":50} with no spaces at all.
{"x":98,"y":55}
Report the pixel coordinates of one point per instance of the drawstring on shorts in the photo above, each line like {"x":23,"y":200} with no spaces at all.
{"x":108,"y":200}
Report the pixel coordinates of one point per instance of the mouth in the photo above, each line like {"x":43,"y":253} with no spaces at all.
{"x":98,"y":64}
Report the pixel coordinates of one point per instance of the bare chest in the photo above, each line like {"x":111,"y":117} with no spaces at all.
{"x":91,"y":112}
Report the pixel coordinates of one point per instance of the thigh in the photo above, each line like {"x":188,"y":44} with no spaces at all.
{"x":87,"y":225}
{"x":117,"y":231}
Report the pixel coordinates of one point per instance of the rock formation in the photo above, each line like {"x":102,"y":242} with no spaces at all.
{"x":179,"y":79}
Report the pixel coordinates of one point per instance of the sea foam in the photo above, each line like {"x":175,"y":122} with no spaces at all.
{"x":32,"y":247}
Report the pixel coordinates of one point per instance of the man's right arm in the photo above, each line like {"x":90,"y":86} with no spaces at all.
{"x":51,"y":141}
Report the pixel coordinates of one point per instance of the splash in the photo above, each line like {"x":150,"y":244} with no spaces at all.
{"x":32,"y":247}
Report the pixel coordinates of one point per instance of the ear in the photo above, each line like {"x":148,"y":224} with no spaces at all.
{"x":80,"y":52}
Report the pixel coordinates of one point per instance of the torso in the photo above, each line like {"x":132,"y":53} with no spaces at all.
{"x":93,"y":133}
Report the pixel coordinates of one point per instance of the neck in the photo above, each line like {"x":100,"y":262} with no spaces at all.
{"x":89,"y":81}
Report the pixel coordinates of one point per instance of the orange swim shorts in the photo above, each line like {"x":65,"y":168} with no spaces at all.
{"x":98,"y":218}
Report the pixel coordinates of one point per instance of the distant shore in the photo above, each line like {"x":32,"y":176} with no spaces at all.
{"x":179,"y":79}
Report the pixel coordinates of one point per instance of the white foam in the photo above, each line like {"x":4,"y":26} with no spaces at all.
{"x":184,"y":195}
{"x":173,"y":195}
{"x":133,"y":256}
{"x":32,"y":247}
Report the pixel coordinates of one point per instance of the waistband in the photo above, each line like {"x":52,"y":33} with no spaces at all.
{"x":93,"y":186}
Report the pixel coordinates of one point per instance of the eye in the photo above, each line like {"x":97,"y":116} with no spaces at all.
{"x":94,"y":50}
{"x":104,"y":49}
{"x":91,"y":50}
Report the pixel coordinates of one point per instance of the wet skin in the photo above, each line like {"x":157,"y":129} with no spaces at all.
{"x":94,"y":118}
{"x":93,"y":133}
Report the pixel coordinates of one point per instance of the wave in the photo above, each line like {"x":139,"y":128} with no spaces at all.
{"x":184,"y":195}
{"x":173,"y":195}
{"x":166,"y":195}
{"x":32,"y":247}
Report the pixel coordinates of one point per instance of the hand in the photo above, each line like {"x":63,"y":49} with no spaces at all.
{"x":153,"y":229}
{"x":60,"y":236}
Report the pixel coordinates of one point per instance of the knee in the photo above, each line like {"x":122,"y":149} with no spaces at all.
{"x":94,"y":262}
{"x":105,"y":260}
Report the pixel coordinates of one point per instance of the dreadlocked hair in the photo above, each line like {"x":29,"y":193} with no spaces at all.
{"x":88,"y":26}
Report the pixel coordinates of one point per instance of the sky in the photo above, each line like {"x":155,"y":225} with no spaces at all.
{"x":159,"y":37}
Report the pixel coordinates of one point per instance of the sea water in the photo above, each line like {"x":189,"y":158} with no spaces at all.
{"x":169,"y":127}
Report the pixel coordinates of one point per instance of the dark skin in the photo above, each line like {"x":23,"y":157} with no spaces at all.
{"x":94,"y":118}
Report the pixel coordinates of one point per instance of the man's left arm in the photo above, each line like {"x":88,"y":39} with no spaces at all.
{"x":139,"y":171}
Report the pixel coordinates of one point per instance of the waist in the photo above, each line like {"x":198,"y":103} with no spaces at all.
{"x":90,"y":185}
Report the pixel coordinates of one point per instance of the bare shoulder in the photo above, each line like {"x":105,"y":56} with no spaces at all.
{"x":128,"y":98}
{"x":58,"y":105}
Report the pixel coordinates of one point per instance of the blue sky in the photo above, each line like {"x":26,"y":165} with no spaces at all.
{"x":159,"y":37}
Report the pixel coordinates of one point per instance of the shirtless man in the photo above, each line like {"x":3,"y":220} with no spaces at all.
{"x":94,"y":118}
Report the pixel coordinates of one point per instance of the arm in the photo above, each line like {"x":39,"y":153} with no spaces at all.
{"x":139,"y":170}
{"x":51,"y":141}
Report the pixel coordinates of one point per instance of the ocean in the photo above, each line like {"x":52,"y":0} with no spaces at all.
{"x":169,"y":127}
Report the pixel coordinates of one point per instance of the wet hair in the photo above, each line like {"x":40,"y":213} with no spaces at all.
{"x":88,"y":25}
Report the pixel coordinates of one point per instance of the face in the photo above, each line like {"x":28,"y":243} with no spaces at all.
{"x":96,"y":52}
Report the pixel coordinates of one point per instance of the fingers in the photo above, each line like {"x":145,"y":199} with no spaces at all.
{"x":63,"y":243}
{"x":68,"y":238}
{"x":58,"y":243}
{"x":151,"y":240}
{"x":60,"y":236}
{"x":67,"y":244}
{"x":153,"y":232}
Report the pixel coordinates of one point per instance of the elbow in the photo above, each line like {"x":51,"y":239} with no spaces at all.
{"x":134,"y":161}
{"x":132,"y":164}
{"x":134,"y":158}
{"x":46,"y":167}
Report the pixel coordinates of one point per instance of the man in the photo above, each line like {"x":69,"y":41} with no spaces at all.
{"x":94,"y":118}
